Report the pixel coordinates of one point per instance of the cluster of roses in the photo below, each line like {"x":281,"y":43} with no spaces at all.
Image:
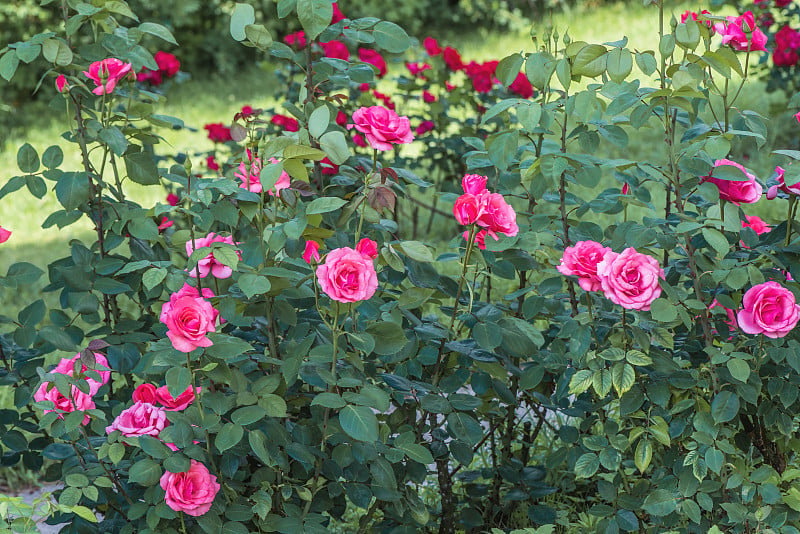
{"x":168,"y":67}
{"x":741,"y":32}
{"x":485,"y":210}
{"x":76,"y":399}
{"x":191,"y":492}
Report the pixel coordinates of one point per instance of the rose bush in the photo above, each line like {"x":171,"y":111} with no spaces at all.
{"x":343,"y":352}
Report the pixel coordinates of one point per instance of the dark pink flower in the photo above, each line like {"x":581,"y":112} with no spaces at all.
{"x":424,"y":127}
{"x":209,"y":264}
{"x":341,"y":118}
{"x":61,"y":84}
{"x":372,"y":57}
{"x":145,"y":393}
{"x":382,"y":127}
{"x":218,"y":132}
{"x":164,"y":224}
{"x":496,"y":215}
{"x":480,"y":238}
{"x":4,"y":234}
{"x":287,"y":123}
{"x":192,"y":492}
{"x":453,"y":59}
{"x":474,"y":184}
{"x":336,"y":49}
{"x":416,"y":69}
{"x":368,"y":248}
{"x":337,"y":14}
{"x":581,"y":260}
{"x":189,"y":320}
{"x":431,"y":46}
{"x":747,"y":191}
{"x":167,"y":63}
{"x":77,"y":400}
{"x":211,"y":163}
{"x":755,"y":222}
{"x":428,"y":97}
{"x":329,"y":168}
{"x":769,"y":309}
{"x":311,"y":252}
{"x":106,"y":74}
{"x":67,"y":367}
{"x":172,"y":199}
{"x":141,"y":419}
{"x":467,"y":209}
{"x":521,"y":86}
{"x":296,"y":39}
{"x":742,"y":33}
{"x":176,"y":404}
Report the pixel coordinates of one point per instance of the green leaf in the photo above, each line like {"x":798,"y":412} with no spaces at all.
{"x":254,"y":284}
{"x":258,"y":444}
{"x":274,"y":405}
{"x":314,"y":15}
{"x":115,"y":139}
{"x":359,"y":423}
{"x":660,"y":503}
{"x":72,"y":190}
{"x":389,"y":36}
{"x":319,"y":120}
{"x":619,"y":64}
{"x":740,"y":369}
{"x":178,"y":380}
{"x":329,"y":400}
{"x":335,"y":146}
{"x":158,"y":31}
{"x":717,"y":240}
{"x":27,"y":159}
{"x":324,"y":205}
{"x":623,"y":377}
{"x":243,"y":14}
{"x":248,"y":415}
{"x":643,"y":455}
{"x":465,"y":428}
{"x":259,"y":36}
{"x":229,"y":435}
{"x":587,"y":465}
{"x":417,"y":452}
{"x":141,"y":168}
{"x":52,"y":157}
{"x":637,"y":357}
{"x":602,"y":382}
{"x":508,"y":69}
{"x":154,"y":447}
{"x":152,"y":277}
{"x":724,"y":407}
{"x":84,"y":513}
{"x":8,"y":65}
{"x":590,"y":61}
{"x":729,"y":172}
{"x":116,"y":452}
{"x":389,"y":337}
{"x":58,"y":337}
{"x":663,"y":310}
{"x":145,"y":472}
{"x":416,"y":251}
{"x":580,"y":381}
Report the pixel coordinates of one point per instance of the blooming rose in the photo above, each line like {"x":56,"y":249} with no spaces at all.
{"x":175,"y":404}
{"x":141,"y":419}
{"x":336,"y":49}
{"x":284,"y":181}
{"x":482,"y":75}
{"x":474,"y":184}
{"x":496,"y":215}
{"x":747,"y":191}
{"x":772,"y":192}
{"x":164,"y":224}
{"x":218,"y":132}
{"x":368,"y":248}
{"x":797,"y":116}
{"x":769,"y":309}
{"x":78,"y":400}
{"x":167,"y":63}
{"x":67,"y":366}
{"x":386,"y":99}
{"x":431,"y":46}
{"x":453,"y":59}
{"x":428,"y":97}
{"x":467,"y":209}
{"x":581,"y":260}
{"x":106,"y":73}
{"x":521,"y":86}
{"x":145,"y":393}
{"x":737,"y":30}
{"x":287,"y":123}
{"x":172,"y":199}
{"x":424,"y":127}
{"x":756,"y":223}
{"x":209,"y":264}
{"x":211,"y":163}
{"x":329,"y":168}
{"x":311,"y":251}
{"x":347,"y":275}
{"x":191,"y":492}
{"x":61,"y":84}
{"x":686,"y":15}
{"x":341,"y":118}
{"x":382,"y":127}
{"x":188,"y":319}
{"x":249,"y":174}
{"x":372,"y":57}
{"x":4,"y":234}
{"x":630,"y":279}
{"x":297,"y":39}
{"x":337,"y":14}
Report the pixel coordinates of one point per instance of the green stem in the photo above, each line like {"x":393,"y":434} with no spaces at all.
{"x":789,"y":219}
{"x":366,"y":190}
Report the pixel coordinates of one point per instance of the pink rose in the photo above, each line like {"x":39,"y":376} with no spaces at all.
{"x":372,"y":57}
{"x":172,"y":199}
{"x":209,"y":264}
{"x":347,"y":275}
{"x":296,"y":39}
{"x":249,"y":174}
{"x":730,"y":315}
{"x":467,"y":209}
{"x":769,"y":309}
{"x":496,"y":215}
{"x":416,"y":69}
{"x":4,"y":234}
{"x":359,"y":140}
{"x":145,"y":393}
{"x":106,"y":73}
{"x":284,"y":181}
{"x":176,"y":404}
{"x":341,"y":118}
{"x":474,"y":184}
{"x":212,"y":164}
{"x":191,"y":492}
{"x":311,"y":251}
{"x":758,"y":225}
{"x":630,"y":279}
{"x":368,"y":248}
{"x":382,"y":127}
{"x":581,"y":260}
{"x":747,"y":191}
{"x":788,"y":189}
{"x":336,"y":49}
{"x":797,"y":116}
{"x":164,"y":224}
{"x":737,"y":30}
{"x":453,"y":59}
{"x":77,"y":401}
{"x":141,"y":419}
{"x":188,"y":319}
{"x":67,"y":366}
{"x":61,"y":84}
{"x":337,"y":14}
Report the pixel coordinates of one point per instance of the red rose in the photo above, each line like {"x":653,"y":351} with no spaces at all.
{"x":453,"y":59}
{"x":373,"y":58}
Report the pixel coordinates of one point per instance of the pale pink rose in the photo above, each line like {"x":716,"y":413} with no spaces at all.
{"x":176,"y":404}
{"x":467,"y":209}
{"x":67,"y":365}
{"x":188,"y":320}
{"x":769,"y":309}
{"x":581,"y":260}
{"x":368,"y":248}
{"x":191,"y":492}
{"x":630,"y":279}
{"x":347,"y":275}
{"x":480,"y":238}
{"x":474,"y":184}
{"x":311,"y":251}
{"x":730,"y":315}
{"x":61,"y":84}
{"x":141,"y":419}
{"x":106,"y":73}
{"x":4,"y":234}
{"x":757,"y":224}
{"x":77,"y":401}
{"x":747,"y":191}
{"x":145,"y":393}
{"x":496,"y":215}
{"x":382,"y":127}
{"x":742,"y":33}
{"x":209,"y":264}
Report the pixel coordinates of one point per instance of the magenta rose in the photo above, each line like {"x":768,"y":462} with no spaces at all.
{"x":474,"y":183}
{"x":742,"y":33}
{"x":77,"y":401}
{"x":209,"y":264}
{"x":67,"y":366}
{"x":311,"y":251}
{"x":141,"y":419}
{"x":496,"y":215}
{"x":106,"y":73}
{"x":769,"y":309}
{"x":368,"y":248}
{"x":336,"y":49}
{"x":382,"y":127}
{"x":730,"y":315}
{"x":781,"y":185}
{"x":176,"y":404}
{"x":191,"y":492}
{"x":4,"y":234}
{"x":747,"y":191}
{"x":581,"y":260}
{"x":373,"y":58}
{"x":630,"y":279}
{"x":62,"y":84}
{"x":188,"y":319}
{"x":145,"y":393}
{"x":347,"y":275}
{"x":480,"y":238}
{"x":467,"y":209}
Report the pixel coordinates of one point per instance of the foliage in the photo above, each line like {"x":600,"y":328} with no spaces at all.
{"x":450,"y":383}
